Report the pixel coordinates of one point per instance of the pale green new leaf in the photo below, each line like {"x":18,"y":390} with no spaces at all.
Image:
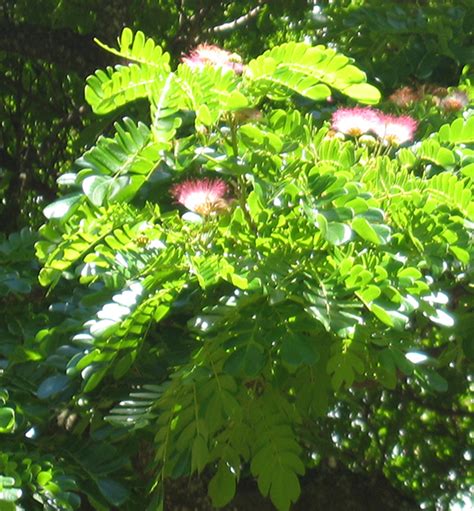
{"x":115,"y":168}
{"x":165,"y":104}
{"x":140,"y":49}
{"x":213,"y":88}
{"x":446,"y":188}
{"x":131,"y":150}
{"x":459,"y":131}
{"x":309,"y":71}
{"x":108,"y":90}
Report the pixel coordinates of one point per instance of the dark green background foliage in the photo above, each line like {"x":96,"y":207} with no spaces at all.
{"x":403,"y":42}
{"x":256,"y":356}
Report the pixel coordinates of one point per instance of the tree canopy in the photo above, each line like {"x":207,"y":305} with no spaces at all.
{"x":236,"y":262}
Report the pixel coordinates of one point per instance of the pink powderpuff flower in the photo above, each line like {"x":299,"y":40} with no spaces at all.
{"x":455,"y":101}
{"x":209,"y":54}
{"x":405,"y":96}
{"x":396,"y":130}
{"x":355,"y":121}
{"x":202,"y":196}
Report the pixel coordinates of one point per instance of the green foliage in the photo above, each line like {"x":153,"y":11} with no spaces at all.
{"x":300,"y":67}
{"x":448,"y":149}
{"x":220,"y":340}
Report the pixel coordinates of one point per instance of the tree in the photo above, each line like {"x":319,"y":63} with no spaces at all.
{"x":246,"y":282}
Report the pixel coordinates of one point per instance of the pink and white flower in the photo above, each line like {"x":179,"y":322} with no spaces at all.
{"x":211,"y":55}
{"x":405,"y":96}
{"x":457,"y":100}
{"x":202,"y":196}
{"x":355,"y":121}
{"x":361,"y":121}
{"x":396,"y":130}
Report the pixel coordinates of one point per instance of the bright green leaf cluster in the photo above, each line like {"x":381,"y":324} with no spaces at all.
{"x":307,"y":264}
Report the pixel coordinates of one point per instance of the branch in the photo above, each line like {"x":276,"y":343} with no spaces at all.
{"x":225,"y":27}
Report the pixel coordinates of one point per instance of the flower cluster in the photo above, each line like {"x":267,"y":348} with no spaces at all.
{"x":210,"y":55}
{"x":202,"y":196}
{"x":405,"y":96}
{"x":449,"y":101}
{"x":455,"y":101}
{"x":394,"y":130}
{"x":354,"y":121}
